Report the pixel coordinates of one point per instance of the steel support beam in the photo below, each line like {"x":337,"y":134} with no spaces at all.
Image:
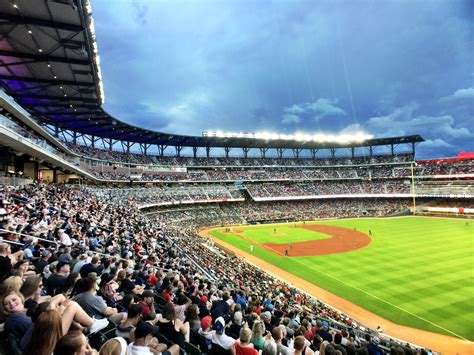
{"x":44,"y":57}
{"x":45,"y":81}
{"x":26,"y":20}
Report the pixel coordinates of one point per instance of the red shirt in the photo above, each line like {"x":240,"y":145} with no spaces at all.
{"x":145,"y":307}
{"x":167,"y":296}
{"x":152,"y":279}
{"x":239,"y":350}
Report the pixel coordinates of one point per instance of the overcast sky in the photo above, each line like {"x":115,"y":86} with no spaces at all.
{"x":387,"y":68}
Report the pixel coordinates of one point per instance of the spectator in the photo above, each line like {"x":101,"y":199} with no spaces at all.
{"x":127,"y":284}
{"x":236,"y":325}
{"x":43,"y":261}
{"x":107,"y":286}
{"x":90,"y":267}
{"x":145,"y":343}
{"x":31,"y":291}
{"x":171,"y":327}
{"x":17,"y":322}
{"x":257,"y":338}
{"x":126,"y":327}
{"x":221,"y":308}
{"x":74,"y":342}
{"x":55,"y":283}
{"x":301,"y":348}
{"x":243,"y":346}
{"x":94,"y":305}
{"x":192,"y":317}
{"x":206,"y":333}
{"x":219,"y":337}
{"x":47,"y":330}
{"x":115,"y":346}
{"x":148,"y":302}
{"x":5,"y":261}
{"x":277,"y":335}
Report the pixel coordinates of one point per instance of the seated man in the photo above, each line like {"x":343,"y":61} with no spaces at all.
{"x":148,"y":302}
{"x":94,"y":305}
{"x":129,"y":286}
{"x":219,"y":337}
{"x":54,"y":284}
{"x":146,"y":344}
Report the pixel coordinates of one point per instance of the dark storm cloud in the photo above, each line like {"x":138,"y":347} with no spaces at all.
{"x":287,"y":66}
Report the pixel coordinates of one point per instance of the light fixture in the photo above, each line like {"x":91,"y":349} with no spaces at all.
{"x":61,"y":87}
{"x":30,"y":32}
{"x":55,"y":77}
{"x":40,"y":50}
{"x":15,"y":6}
{"x":49,"y":65}
{"x":65,"y":95}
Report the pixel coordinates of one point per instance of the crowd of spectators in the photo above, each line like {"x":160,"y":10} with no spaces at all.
{"x":347,"y":187}
{"x":172,"y":194}
{"x":363,"y":172}
{"x":115,"y":156}
{"x":77,"y":270}
{"x":110,"y":172}
{"x":303,"y":210}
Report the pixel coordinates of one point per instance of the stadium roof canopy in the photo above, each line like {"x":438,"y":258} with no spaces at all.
{"x":49,"y":64}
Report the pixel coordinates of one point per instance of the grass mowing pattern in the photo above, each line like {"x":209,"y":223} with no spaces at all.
{"x":284,"y":235}
{"x":416,"y":272}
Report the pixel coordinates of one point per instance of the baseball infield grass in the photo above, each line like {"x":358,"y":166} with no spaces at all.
{"x":418,"y":271}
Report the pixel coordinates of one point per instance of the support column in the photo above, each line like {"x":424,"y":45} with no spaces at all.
{"x":280,"y":152}
{"x":245,"y":150}
{"x":263,"y":152}
{"x":296,"y":152}
{"x":195,"y":149}
{"x":227,"y":150}
{"x":161,"y":149}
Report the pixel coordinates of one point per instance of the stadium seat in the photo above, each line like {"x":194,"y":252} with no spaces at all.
{"x":190,"y":349}
{"x":219,"y":350}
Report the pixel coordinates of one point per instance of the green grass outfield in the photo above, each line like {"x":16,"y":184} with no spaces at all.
{"x":418,"y":271}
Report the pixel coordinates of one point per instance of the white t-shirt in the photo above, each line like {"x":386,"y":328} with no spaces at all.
{"x":133,"y":349}
{"x":223,"y":340}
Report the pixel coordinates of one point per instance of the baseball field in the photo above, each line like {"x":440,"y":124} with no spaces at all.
{"x":413,"y":271}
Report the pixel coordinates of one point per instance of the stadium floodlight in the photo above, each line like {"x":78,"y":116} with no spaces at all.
{"x":343,"y":138}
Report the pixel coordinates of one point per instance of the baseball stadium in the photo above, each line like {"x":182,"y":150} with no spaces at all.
{"x":120,"y":239}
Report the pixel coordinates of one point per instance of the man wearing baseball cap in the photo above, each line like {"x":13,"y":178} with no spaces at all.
{"x":146,"y":344}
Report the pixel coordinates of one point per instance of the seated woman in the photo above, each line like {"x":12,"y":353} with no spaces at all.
{"x":171,"y":327}
{"x":74,"y":343}
{"x":23,"y":268}
{"x":126,"y":327}
{"x":31,"y":291}
{"x":192,"y":316}
{"x":17,"y":322}
{"x":47,"y":330}
{"x":108,"y":287}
